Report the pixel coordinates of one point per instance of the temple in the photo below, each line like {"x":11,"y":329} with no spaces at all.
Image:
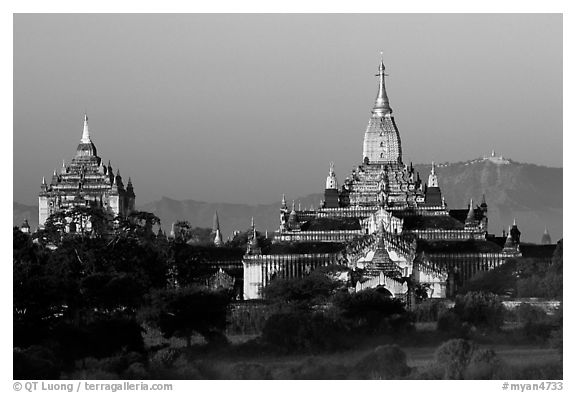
{"x":385,"y":223}
{"x":85,"y":181}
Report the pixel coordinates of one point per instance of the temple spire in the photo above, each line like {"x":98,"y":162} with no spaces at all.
{"x":381,"y":106}
{"x":215,"y":223}
{"x":86,"y":131}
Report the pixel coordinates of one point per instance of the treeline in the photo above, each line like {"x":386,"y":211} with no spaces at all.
{"x":91,"y":294}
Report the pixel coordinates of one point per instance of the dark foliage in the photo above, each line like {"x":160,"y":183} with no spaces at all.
{"x":373,"y":311}
{"x":450,"y":324}
{"x":453,"y":358}
{"x":185,"y":311}
{"x":36,"y":362}
{"x":481,"y":310}
{"x":301,"y":292}
{"x":428,"y":310}
{"x":500,"y":281}
{"x":304,"y":331}
{"x":385,"y":362}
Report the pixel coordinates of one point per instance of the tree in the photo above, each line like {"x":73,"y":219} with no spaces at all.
{"x":482,"y":310}
{"x":184,"y":311}
{"x":372,"y":311}
{"x":182,"y":231}
{"x":139,"y":224}
{"x":301,"y":292}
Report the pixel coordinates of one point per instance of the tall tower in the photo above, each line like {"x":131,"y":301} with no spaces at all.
{"x":382,"y":140}
{"x":331,"y":191}
{"x":433,"y":194}
{"x":85,"y":181}
{"x":216,"y":231}
{"x":546,"y":239}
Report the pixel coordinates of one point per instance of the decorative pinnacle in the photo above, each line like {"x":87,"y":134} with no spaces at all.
{"x":514,"y":223}
{"x":433,"y":168}
{"x":86,"y":131}
{"x":381,"y":106}
{"x":216,"y":223}
{"x":43,"y":180}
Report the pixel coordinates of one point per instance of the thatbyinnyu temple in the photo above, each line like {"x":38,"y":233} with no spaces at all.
{"x":386,"y":223}
{"x":85,"y":181}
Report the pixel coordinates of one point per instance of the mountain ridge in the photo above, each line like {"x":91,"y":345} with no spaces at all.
{"x":529,"y":193}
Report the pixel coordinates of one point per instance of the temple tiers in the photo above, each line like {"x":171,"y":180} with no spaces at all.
{"x":395,"y":228}
{"x":85,"y":181}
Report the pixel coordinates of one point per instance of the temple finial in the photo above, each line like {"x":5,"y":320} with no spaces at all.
{"x":85,"y":131}
{"x":381,"y":106}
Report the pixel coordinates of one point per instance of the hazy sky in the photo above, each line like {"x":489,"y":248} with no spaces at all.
{"x":243,"y":108}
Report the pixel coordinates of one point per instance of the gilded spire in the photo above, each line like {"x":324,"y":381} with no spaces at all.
{"x":470,"y":217}
{"x":381,"y":106}
{"x":215,"y":223}
{"x":86,"y":131}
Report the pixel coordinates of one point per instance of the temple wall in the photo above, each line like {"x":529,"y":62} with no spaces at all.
{"x":259,"y":270}
{"x":317,"y":236}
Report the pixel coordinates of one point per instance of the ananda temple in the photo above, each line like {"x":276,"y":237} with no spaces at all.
{"x":386,"y":222}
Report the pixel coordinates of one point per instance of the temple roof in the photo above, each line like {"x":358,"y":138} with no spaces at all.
{"x":306,"y":248}
{"x":462,"y":214}
{"x":450,"y":246}
{"x":332,"y":224}
{"x":418,"y":222}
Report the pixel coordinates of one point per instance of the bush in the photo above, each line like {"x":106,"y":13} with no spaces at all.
{"x":428,"y":311}
{"x":385,"y":362}
{"x":250,"y":371}
{"x":485,"y":364}
{"x":451,"y":324}
{"x":302,"y":292}
{"x":556,"y":340}
{"x":536,"y":323}
{"x":453,"y":357}
{"x":479,"y":309}
{"x":303,"y":331}
{"x":35,"y":362}
{"x":313,"y":369}
{"x":372,"y":311}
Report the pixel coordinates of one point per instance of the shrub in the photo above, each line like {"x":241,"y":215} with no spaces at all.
{"x":313,"y":368}
{"x":385,"y":362}
{"x":453,"y":357}
{"x":112,"y":367}
{"x":556,"y":340}
{"x":35,"y":362}
{"x":451,"y":324}
{"x":250,"y":371}
{"x":372,"y":311}
{"x":485,"y":364}
{"x":303,"y":331}
{"x":428,"y":310}
{"x":482,"y":310}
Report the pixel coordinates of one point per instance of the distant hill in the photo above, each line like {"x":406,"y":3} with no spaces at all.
{"x":530,"y":193}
